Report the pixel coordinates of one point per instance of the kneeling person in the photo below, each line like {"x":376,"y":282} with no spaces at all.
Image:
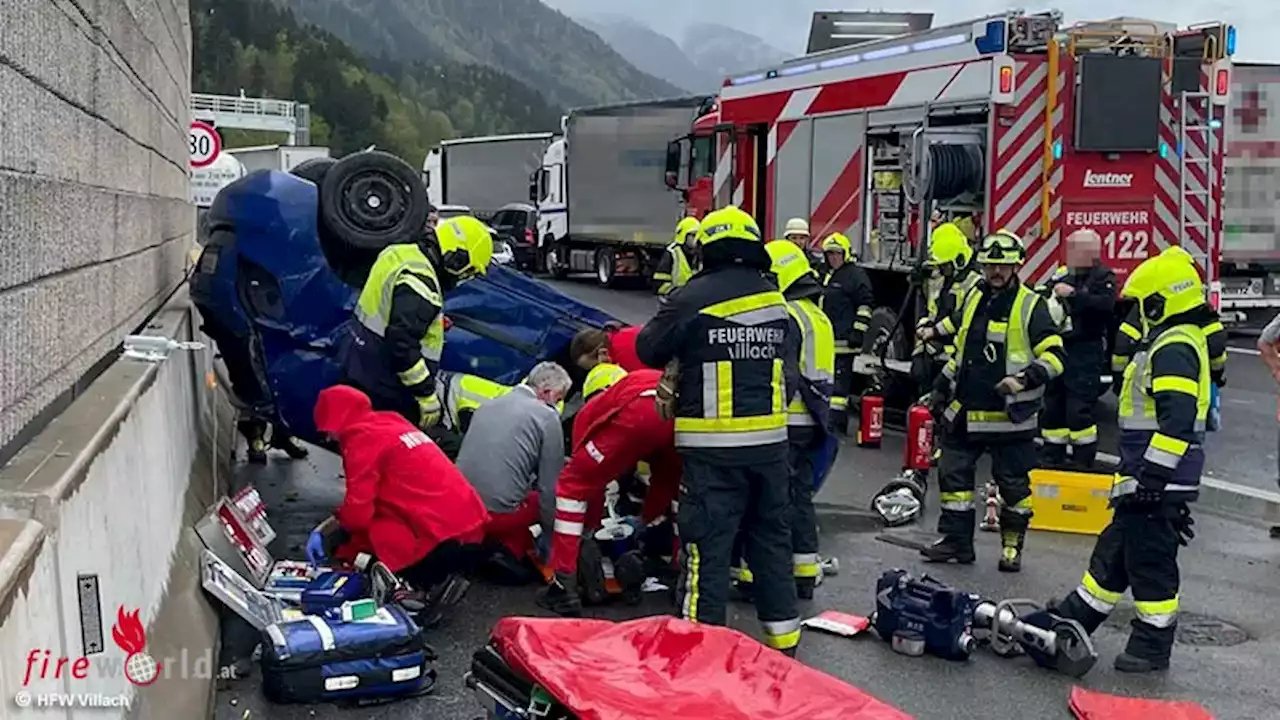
{"x":512,"y":453}
{"x":405,"y":502}
{"x":616,"y":429}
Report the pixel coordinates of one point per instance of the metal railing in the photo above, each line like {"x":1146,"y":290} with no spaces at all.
{"x":233,"y":105}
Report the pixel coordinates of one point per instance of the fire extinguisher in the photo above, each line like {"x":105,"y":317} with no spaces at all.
{"x":917,"y":453}
{"x":870,"y":421}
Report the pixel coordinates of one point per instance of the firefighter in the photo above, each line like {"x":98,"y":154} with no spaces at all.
{"x":617,"y":428}
{"x":1007,"y":350}
{"x":809,"y":386}
{"x":394,"y":349}
{"x":1086,"y":290}
{"x":1164,"y":407}
{"x":1129,"y":337}
{"x":951,"y":257}
{"x":847,"y":300}
{"x":797,"y":231}
{"x":680,"y":259}
{"x":727,"y":331}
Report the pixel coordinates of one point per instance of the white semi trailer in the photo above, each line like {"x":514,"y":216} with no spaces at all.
{"x":483,"y":173}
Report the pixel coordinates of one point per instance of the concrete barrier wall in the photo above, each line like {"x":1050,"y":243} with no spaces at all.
{"x":95,"y":219}
{"x":111,"y":489}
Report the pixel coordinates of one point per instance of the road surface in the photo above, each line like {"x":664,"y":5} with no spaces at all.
{"x":1230,"y":575}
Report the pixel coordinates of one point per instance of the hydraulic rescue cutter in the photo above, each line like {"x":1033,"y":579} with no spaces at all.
{"x":901,"y":501}
{"x":923,"y":615}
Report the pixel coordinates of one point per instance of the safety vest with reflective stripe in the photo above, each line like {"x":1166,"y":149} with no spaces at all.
{"x":1014,"y":337}
{"x":469,"y":392}
{"x":742,"y":390}
{"x":958,"y":290}
{"x":1140,"y":438}
{"x":402,"y":265}
{"x":681,"y":270}
{"x":817,"y":355}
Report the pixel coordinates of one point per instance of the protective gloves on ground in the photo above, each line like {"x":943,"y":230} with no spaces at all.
{"x":428,"y":411}
{"x":315,"y":548}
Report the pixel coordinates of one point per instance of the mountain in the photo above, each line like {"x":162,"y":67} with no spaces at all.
{"x":542,"y":48}
{"x":722,"y":50}
{"x":651,"y":52}
{"x":261,"y":49}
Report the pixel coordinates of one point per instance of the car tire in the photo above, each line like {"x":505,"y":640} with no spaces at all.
{"x":373,"y":199}
{"x":314,"y":169}
{"x":606,"y":267}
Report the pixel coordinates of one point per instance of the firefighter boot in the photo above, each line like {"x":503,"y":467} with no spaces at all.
{"x":1127,"y":663}
{"x":743,"y":582}
{"x":289,"y":445}
{"x":560,"y":596}
{"x":805,"y":587}
{"x":948,"y":548}
{"x":1011,"y":550}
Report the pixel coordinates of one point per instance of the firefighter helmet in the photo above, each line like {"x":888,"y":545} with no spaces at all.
{"x":948,"y":245}
{"x":466,"y":246}
{"x":1002,"y":248}
{"x":796,"y":226}
{"x":837,"y":242}
{"x":728,"y":223}
{"x":1164,"y":286}
{"x":685,"y":228}
{"x":789,"y":263}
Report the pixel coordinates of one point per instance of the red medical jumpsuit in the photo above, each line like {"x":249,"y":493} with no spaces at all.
{"x":614,"y":430}
{"x":404,"y":497}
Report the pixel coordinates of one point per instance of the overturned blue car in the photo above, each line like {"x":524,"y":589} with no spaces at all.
{"x":283,"y":261}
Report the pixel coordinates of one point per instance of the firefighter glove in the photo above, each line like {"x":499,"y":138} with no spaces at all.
{"x":926,"y":332}
{"x":428,"y":410}
{"x":665,"y":399}
{"x":1011,"y":385}
{"x":1182,"y":522}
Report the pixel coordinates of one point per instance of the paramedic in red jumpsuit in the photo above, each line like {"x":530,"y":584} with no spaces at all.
{"x":616,"y":429}
{"x":614,"y":344}
{"x":405,"y":502}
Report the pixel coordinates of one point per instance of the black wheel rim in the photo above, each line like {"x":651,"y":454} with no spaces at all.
{"x":374,"y":200}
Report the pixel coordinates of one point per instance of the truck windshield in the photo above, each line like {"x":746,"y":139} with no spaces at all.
{"x":702,"y":159}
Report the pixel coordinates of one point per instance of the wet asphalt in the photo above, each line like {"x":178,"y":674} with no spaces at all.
{"x":1231,"y":575}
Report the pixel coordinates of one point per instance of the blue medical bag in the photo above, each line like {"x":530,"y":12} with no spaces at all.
{"x":331,"y":589}
{"x":325,"y":660}
{"x":926,"y":609}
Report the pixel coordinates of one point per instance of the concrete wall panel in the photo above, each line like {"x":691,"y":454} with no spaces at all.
{"x":95,"y":222}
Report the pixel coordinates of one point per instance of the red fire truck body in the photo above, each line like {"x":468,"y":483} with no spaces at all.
{"x":1009,"y":120}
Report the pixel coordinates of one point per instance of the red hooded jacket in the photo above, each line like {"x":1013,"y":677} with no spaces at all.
{"x":622,"y":349}
{"x":403,"y":495}
{"x":625,"y":396}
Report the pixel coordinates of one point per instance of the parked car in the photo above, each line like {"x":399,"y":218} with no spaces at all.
{"x":517,"y":225}
{"x":266,"y":285}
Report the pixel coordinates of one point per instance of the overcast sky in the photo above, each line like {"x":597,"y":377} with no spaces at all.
{"x":785,"y":23}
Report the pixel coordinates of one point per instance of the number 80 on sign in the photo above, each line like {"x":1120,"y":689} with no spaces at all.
{"x":204,"y":143}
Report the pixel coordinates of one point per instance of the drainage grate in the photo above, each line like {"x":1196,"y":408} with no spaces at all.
{"x":832,"y":521}
{"x":1193,"y":629}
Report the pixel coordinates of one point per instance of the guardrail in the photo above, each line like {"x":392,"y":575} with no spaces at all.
{"x":234,"y":105}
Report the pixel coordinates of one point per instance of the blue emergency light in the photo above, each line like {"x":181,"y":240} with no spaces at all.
{"x":1215,"y":123}
{"x":1164,"y":150}
{"x":1231,"y":40}
{"x":993,"y":41}
{"x":1057,"y":149}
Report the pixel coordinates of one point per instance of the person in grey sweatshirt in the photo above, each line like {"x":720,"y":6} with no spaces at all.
{"x":512,"y":454}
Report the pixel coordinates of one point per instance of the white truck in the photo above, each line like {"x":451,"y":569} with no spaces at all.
{"x":276,"y":157}
{"x":1251,"y":199}
{"x":599,"y":209}
{"x":483,"y":173}
{"x":208,"y":180}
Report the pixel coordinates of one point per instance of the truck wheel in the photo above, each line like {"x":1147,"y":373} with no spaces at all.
{"x":556,"y":258}
{"x":606,"y":267}
{"x":372,"y":199}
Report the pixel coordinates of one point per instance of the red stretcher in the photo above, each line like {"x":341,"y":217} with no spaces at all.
{"x":657,"y":668}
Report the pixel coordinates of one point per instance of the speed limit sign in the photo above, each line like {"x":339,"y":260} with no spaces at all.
{"x":205,"y":144}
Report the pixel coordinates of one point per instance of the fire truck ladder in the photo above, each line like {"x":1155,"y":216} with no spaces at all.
{"x":1194,"y":132}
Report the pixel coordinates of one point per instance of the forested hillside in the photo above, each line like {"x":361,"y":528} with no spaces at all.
{"x":546,"y":50}
{"x":404,"y":107}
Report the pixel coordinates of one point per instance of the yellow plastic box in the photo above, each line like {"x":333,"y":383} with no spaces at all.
{"x":1070,"y":502}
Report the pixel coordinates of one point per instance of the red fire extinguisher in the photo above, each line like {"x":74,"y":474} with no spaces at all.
{"x":917,"y":453}
{"x":871,"y":421}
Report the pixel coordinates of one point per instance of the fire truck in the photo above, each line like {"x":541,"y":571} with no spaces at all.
{"x":1014,"y":120}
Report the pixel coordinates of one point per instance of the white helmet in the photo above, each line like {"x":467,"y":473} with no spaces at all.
{"x":796,"y":226}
